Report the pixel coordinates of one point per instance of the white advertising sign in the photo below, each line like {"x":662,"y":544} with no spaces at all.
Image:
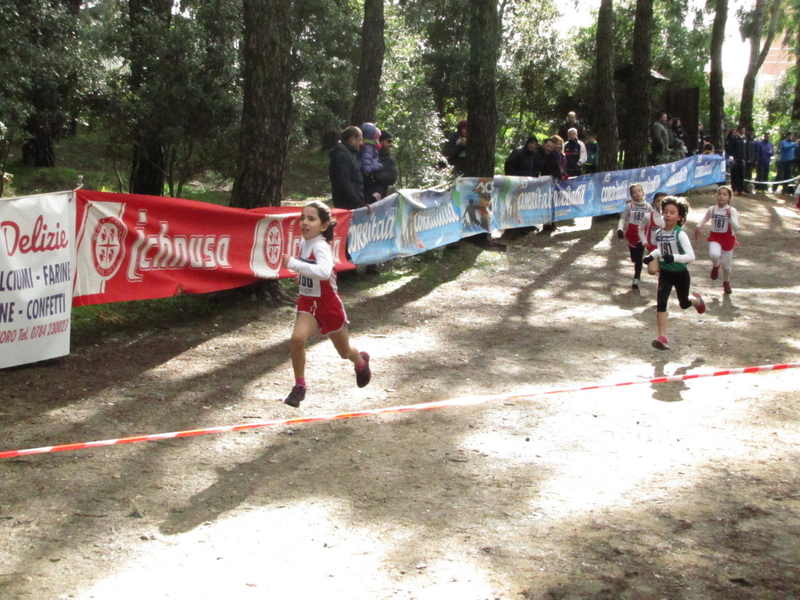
{"x":37,"y":262}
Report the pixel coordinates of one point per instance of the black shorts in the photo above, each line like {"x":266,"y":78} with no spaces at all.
{"x":680,"y":280}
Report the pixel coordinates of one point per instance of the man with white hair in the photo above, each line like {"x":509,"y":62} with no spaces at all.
{"x":571,"y":122}
{"x":575,"y":151}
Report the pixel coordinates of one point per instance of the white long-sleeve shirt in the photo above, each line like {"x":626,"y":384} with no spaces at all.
{"x":314,"y":266}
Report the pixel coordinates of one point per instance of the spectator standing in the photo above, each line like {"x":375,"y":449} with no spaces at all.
{"x":550,"y":164}
{"x":592,"y":154}
{"x":575,"y":153}
{"x":525,"y":161}
{"x":751,"y":156}
{"x":701,"y":140}
{"x":347,"y":183}
{"x":797,"y":155}
{"x":680,"y":142}
{"x":570,"y":123}
{"x":659,"y":139}
{"x":455,"y":149}
{"x":736,"y":149}
{"x":785,"y":161}
{"x":764,"y":153}
{"x":387,"y":175}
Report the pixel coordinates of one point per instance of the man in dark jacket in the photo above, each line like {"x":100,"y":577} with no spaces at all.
{"x":387,"y":175}
{"x":347,"y":183}
{"x":736,"y":149}
{"x":525,"y":161}
{"x":572,"y":121}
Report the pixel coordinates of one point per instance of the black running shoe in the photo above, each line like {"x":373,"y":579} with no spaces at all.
{"x":364,"y":374}
{"x":296,"y":396}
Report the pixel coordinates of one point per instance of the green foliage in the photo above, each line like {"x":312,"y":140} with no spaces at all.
{"x":534,"y":63}
{"x":40,"y":70}
{"x":406,"y":109}
{"x":778,"y":106}
{"x":680,"y":51}
{"x":327,"y":41}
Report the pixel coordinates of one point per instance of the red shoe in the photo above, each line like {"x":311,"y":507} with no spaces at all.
{"x":726,"y":286}
{"x":714,"y":272}
{"x":700,"y":307}
{"x":661,"y":343}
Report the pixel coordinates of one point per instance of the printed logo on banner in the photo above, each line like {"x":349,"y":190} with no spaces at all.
{"x":478,"y":212}
{"x":268,"y":245}
{"x":108,"y":246}
{"x":273,"y":245}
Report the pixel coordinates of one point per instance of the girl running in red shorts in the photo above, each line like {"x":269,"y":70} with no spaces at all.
{"x":722,"y":239}
{"x":319,"y":306}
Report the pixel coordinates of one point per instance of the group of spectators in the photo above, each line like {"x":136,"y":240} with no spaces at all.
{"x":569,"y":153}
{"x":746,"y":153}
{"x":668,"y":140}
{"x":361,"y":167}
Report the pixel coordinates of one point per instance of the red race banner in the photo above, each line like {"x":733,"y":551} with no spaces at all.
{"x":132,"y":247}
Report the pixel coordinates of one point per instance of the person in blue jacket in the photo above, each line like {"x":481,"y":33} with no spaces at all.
{"x":785,"y":161}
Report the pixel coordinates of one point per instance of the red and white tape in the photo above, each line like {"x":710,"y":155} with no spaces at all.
{"x":465,"y":401}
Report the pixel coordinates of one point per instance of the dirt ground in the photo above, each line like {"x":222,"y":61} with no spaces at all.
{"x":686,"y":490}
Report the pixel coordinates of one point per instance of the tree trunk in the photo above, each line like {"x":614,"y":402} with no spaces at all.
{"x":373,"y":49}
{"x":607,"y":133}
{"x":37,"y":149}
{"x":149,"y":167}
{"x":50,"y":102}
{"x":636,"y":152}
{"x":148,"y":18}
{"x":796,"y":104}
{"x":758,"y":55}
{"x":716,"y":104}
{"x":484,"y":33}
{"x":267,"y":104}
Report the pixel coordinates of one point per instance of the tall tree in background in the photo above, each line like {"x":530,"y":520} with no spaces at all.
{"x":716,"y":104}
{"x":636,"y":152}
{"x":796,"y":103}
{"x":793,"y":33}
{"x":267,"y":104}
{"x":606,"y":112}
{"x":484,"y":33}
{"x":52,"y":77}
{"x":761,"y":22}
{"x":149,"y":25}
{"x":373,"y":49}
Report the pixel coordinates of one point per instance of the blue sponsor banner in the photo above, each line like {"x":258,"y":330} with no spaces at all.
{"x":678,"y":177}
{"x":708,"y":169}
{"x":426,"y":219}
{"x":612,"y":191}
{"x":522,"y":201}
{"x":574,"y":198}
{"x":373,"y":233}
{"x":475,"y":201}
{"x":650,"y":178}
{"x":414,"y":221}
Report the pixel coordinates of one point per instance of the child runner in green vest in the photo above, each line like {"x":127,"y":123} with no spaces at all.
{"x":674,"y":252}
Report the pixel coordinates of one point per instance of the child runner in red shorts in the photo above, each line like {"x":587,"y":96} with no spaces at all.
{"x":319,"y":306}
{"x":628,"y":229}
{"x":722,"y":239}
